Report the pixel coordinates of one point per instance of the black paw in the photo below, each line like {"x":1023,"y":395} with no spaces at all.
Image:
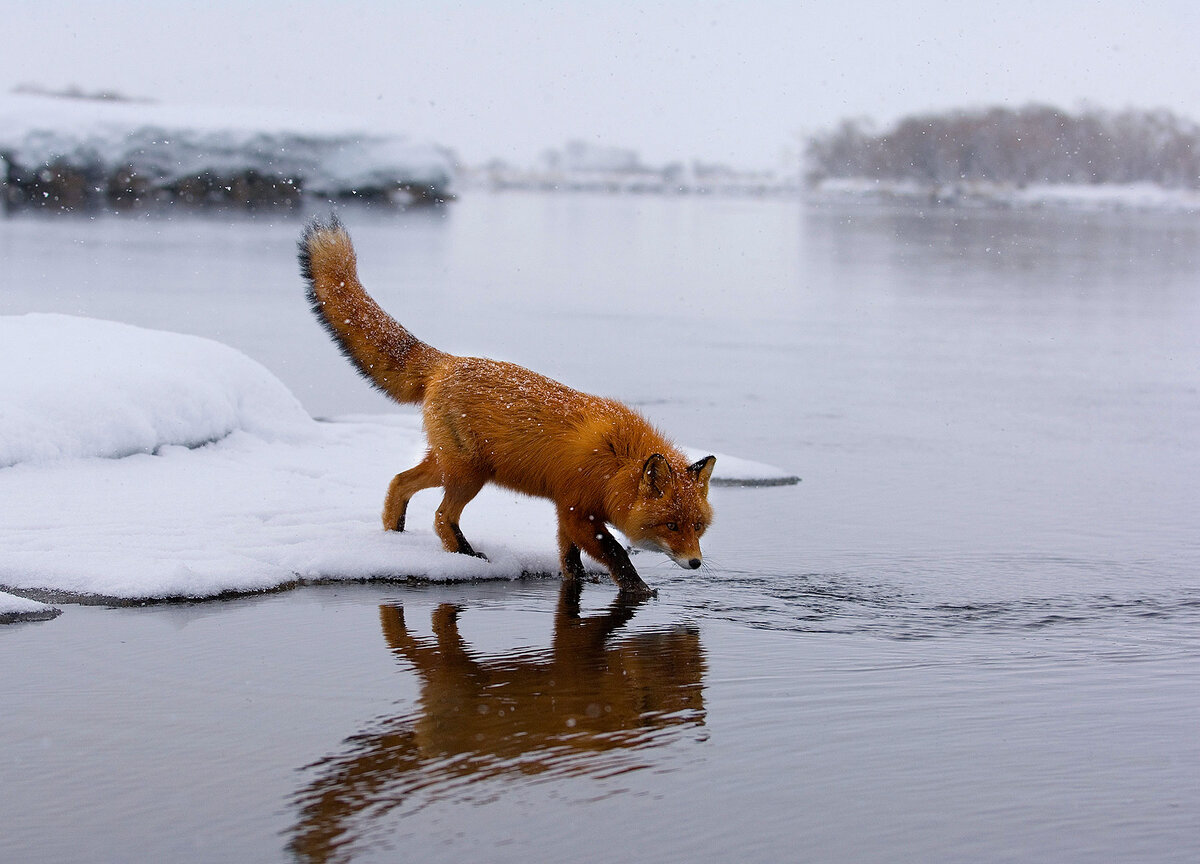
{"x":637,"y":590}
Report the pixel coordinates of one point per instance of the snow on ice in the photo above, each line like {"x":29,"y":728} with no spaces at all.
{"x":139,"y":464}
{"x":14,"y":609}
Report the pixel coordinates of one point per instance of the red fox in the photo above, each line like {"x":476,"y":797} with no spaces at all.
{"x":600,"y":462}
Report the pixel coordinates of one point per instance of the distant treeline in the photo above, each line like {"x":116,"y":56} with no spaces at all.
{"x":1034,"y":144}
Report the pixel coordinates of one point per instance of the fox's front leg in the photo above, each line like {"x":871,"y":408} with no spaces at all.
{"x":577,"y":531}
{"x":568,"y":552}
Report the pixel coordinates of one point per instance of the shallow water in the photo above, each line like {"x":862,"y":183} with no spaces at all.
{"x":970,"y":633}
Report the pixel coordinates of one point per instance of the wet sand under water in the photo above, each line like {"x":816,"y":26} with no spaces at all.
{"x":516,"y":722}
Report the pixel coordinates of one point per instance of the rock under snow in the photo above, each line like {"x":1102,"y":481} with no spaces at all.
{"x":73,"y":153}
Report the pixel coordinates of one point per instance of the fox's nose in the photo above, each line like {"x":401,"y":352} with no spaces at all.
{"x":694,"y":563}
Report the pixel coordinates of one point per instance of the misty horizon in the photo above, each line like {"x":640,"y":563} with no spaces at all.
{"x":741,"y":85}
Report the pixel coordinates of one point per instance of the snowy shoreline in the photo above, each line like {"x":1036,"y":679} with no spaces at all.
{"x":80,"y":154}
{"x":144,"y":466}
{"x":1134,"y":197}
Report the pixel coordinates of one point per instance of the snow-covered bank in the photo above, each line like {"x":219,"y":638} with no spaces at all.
{"x":75,"y":153}
{"x":230,"y":487}
{"x":584,"y":167}
{"x":1100,"y":196}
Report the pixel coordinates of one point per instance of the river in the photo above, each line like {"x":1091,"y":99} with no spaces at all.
{"x":972,"y":632}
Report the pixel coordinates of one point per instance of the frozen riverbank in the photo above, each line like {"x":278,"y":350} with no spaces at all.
{"x":1079,"y":196}
{"x":83,"y":153}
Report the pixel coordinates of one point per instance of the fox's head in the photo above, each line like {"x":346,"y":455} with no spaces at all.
{"x":671,"y":509}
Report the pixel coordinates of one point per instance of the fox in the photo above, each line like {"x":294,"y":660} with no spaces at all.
{"x":599,"y":461}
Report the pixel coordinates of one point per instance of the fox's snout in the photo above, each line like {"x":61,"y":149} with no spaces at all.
{"x":687,"y":559}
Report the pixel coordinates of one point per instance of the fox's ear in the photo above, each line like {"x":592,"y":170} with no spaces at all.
{"x":702,"y":470}
{"x":656,"y":477}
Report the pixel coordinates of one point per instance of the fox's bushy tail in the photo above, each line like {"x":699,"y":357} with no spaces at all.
{"x":383,"y":351}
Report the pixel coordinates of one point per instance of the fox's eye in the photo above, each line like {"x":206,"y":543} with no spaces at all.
{"x":671,"y":526}
{"x":699,"y":526}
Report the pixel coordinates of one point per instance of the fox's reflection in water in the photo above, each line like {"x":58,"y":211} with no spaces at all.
{"x":593,"y":706}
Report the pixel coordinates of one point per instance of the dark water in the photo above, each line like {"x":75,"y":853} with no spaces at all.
{"x":971,"y":633}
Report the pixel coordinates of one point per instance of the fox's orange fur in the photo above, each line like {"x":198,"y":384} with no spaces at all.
{"x":599,"y":461}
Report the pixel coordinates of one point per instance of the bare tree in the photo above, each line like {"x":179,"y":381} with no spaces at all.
{"x":1032,"y":144}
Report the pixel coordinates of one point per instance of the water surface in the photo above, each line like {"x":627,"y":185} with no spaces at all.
{"x":970,"y":633}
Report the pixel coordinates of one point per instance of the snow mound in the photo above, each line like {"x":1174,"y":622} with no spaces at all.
{"x":274,"y":498}
{"x":77,"y":387}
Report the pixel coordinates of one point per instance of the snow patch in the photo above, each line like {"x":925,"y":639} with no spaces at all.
{"x":13,"y":609}
{"x":733,"y":471}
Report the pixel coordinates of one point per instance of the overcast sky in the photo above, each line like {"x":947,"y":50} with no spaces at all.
{"x":738,"y":82}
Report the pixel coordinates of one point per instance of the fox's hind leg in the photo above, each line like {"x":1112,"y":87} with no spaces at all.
{"x":460,"y":490}
{"x":403,"y":486}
